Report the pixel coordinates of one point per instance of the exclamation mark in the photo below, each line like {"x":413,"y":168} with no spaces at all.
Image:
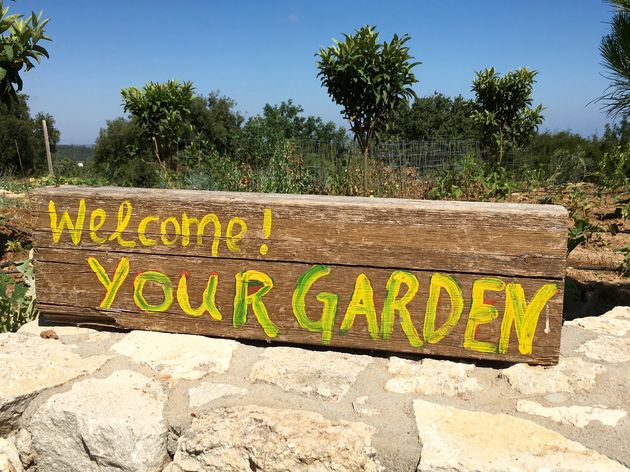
{"x":266,"y":230}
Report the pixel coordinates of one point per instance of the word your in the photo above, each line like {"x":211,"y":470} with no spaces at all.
{"x":401,"y":287}
{"x":172,"y":230}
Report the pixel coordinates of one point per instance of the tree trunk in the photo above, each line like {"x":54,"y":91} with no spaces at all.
{"x":366,"y":151}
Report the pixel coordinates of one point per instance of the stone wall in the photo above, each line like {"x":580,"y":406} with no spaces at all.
{"x":75,"y":399}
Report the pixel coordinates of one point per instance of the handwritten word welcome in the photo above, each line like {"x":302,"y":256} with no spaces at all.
{"x":172,"y":230}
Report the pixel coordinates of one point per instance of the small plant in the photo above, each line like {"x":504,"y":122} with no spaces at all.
{"x":581,"y":232}
{"x":625,"y":264}
{"x":17,"y":298}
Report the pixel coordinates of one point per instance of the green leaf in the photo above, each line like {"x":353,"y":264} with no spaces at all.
{"x":8,"y":51}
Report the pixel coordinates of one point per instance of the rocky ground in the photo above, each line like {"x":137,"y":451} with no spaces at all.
{"x":76,"y":399}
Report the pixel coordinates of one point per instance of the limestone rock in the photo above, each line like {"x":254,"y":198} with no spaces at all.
{"x":615,"y":322}
{"x":102,"y":425}
{"x":273,"y":440}
{"x":571,"y":375}
{"x":9,"y":456}
{"x":607,"y":349}
{"x":33,"y":328}
{"x":178,"y":356}
{"x":359,"y":406}
{"x":325,"y":373}
{"x":207,"y":392}
{"x":455,"y":440}
{"x":431,"y":377}
{"x":579,"y":416}
{"x":29,"y":365}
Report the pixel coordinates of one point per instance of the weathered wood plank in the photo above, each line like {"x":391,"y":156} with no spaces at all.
{"x":393,"y":275}
{"x":501,"y":239}
{"x":81,"y":292}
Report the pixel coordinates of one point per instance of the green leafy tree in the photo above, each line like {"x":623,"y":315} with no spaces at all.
{"x":504,"y":112}
{"x":123,"y":155}
{"x":615,"y":51}
{"x":435,"y":116}
{"x":21,"y":138}
{"x":263,"y":134}
{"x":162,"y":110}
{"x":369,"y":80}
{"x":216,"y":123}
{"x":19,"y":50}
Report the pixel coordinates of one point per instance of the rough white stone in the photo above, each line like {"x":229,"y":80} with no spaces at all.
{"x":29,"y":365}
{"x":33,"y":328}
{"x":178,"y":356}
{"x":603,"y":325}
{"x":556,"y":397}
{"x":571,"y":375}
{"x":325,"y":373}
{"x":579,"y":416}
{"x":274,"y":440}
{"x":207,"y":392}
{"x":455,"y":440}
{"x":9,"y":456}
{"x":431,"y":377}
{"x":359,"y":406}
{"x":102,"y":425}
{"x":622,"y":312}
{"x":607,"y":349}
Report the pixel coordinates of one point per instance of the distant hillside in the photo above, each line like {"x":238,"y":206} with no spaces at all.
{"x":76,"y":152}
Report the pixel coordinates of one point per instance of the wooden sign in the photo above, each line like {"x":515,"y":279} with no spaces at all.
{"x":478,"y":280}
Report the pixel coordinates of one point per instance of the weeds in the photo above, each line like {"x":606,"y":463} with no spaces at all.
{"x":17,"y":297}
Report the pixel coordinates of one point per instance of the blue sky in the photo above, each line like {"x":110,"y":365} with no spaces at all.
{"x":263,"y":52}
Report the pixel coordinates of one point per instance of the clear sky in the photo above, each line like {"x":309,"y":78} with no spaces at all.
{"x":259,"y":52}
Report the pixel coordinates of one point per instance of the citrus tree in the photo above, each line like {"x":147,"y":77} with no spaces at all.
{"x":20,"y":49}
{"x":369,"y":80}
{"x":162,"y":110}
{"x":504,"y":112}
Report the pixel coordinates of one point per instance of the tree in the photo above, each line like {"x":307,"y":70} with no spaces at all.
{"x":615,"y":51}
{"x":263,"y":134}
{"x":435,"y":116}
{"x":162,"y":110}
{"x":21,"y":138}
{"x":123,"y":155}
{"x":369,"y":80}
{"x":216,"y":123}
{"x":19,"y":47}
{"x":504,"y":112}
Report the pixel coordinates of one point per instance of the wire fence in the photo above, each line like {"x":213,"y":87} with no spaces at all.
{"x":393,"y":166}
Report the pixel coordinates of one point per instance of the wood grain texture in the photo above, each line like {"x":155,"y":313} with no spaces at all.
{"x":517,"y":244}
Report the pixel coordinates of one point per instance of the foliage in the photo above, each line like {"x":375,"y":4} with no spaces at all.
{"x":435,"y":116}
{"x":121,"y":155}
{"x":625,"y":264}
{"x":368,"y":79}
{"x":286,"y":173}
{"x":19,"y":47}
{"x":76,"y":152}
{"x":615,"y":51}
{"x":20,"y":132}
{"x":504,"y":112}
{"x":264,"y":134}
{"x":17,"y":298}
{"x":162,"y":111}
{"x":581,"y":232}
{"x":472,"y":179}
{"x":216,"y":123}
{"x":612,"y":167}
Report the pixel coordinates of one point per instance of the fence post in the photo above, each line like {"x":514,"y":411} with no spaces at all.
{"x":47,"y":144}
